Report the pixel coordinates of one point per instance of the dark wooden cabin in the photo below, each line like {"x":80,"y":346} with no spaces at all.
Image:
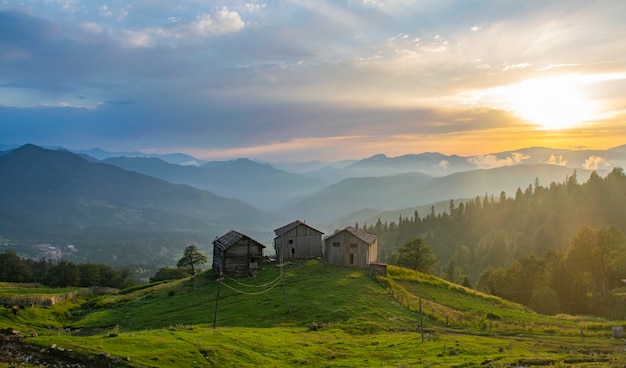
{"x":236,"y":254}
{"x":352,"y":247}
{"x":298,"y":240}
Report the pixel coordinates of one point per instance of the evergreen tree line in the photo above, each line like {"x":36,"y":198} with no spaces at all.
{"x":62,"y":274}
{"x":535,"y":228}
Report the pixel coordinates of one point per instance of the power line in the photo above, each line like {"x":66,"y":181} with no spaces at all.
{"x":254,"y":286}
{"x":253,"y":293}
{"x":280,"y":279}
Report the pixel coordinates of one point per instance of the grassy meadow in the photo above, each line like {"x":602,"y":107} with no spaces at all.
{"x":323,"y":316}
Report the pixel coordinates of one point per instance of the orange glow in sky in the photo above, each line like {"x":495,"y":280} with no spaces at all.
{"x":320,"y":80}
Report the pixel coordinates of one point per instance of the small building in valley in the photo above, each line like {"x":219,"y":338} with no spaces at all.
{"x":298,"y":240}
{"x":236,"y":254}
{"x":351,"y":247}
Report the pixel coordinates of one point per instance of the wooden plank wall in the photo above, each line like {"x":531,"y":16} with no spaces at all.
{"x":305,"y":243}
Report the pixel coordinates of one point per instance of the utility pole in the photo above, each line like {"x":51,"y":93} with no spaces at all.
{"x":285,"y":290}
{"x":282,"y":274}
{"x":421,"y":321}
{"x":217,"y":299}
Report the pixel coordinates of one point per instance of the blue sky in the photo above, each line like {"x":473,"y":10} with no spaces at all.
{"x":306,"y":80}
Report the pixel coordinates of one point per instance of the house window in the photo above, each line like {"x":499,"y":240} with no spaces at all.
{"x":336,"y":244}
{"x":353,"y":245}
{"x":290,"y":241}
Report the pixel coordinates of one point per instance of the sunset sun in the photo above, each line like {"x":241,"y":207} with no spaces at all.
{"x":551,"y":103}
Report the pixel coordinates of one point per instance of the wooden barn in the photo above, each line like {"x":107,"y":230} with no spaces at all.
{"x":352,"y":247}
{"x":236,"y":254}
{"x":298,"y":240}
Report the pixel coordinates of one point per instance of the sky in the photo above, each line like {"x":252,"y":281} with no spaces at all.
{"x":306,"y":80}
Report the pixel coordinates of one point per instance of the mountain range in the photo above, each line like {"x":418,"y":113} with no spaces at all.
{"x":147,"y":207}
{"x":380,"y":183}
{"x":58,"y":197}
{"x":258,"y":184}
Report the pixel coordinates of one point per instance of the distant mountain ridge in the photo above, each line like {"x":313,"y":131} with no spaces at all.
{"x":431,"y":163}
{"x":56,"y":196}
{"x":259,"y":185}
{"x":100,"y":154}
{"x":437,"y":164}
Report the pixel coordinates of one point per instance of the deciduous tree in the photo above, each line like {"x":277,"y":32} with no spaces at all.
{"x":192,"y":260}
{"x":416,"y":255}
{"x":63,"y":274}
{"x":13,"y":268}
{"x":594,"y":253}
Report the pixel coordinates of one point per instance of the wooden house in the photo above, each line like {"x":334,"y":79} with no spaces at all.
{"x":236,"y":254}
{"x":298,"y":240}
{"x":351,"y":247}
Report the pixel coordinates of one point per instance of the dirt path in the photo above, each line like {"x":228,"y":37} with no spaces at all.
{"x":16,"y":352}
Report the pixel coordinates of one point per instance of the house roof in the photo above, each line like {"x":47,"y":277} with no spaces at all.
{"x":363,"y":235}
{"x":231,"y":238}
{"x":281,"y":230}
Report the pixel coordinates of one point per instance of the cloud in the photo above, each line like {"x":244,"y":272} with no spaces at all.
{"x":557,"y":160}
{"x":557,"y":66}
{"x":443,"y":164}
{"x":119,"y":14}
{"x":205,"y":26}
{"x":221,"y":22}
{"x":18,"y":28}
{"x":92,"y":27}
{"x":105,"y":12}
{"x":595,"y":162}
{"x":507,"y":67}
{"x":492,"y":161}
{"x":137,"y":38}
{"x":69,"y":6}
{"x":251,"y":7}
{"x":373,"y":3}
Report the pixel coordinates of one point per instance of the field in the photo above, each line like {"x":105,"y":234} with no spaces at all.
{"x":321,"y":316}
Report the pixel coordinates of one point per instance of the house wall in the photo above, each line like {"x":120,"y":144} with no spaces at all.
{"x":373,"y":253}
{"x":241,"y":258}
{"x":301,"y":242}
{"x":345,"y":249}
{"x":218,"y":259}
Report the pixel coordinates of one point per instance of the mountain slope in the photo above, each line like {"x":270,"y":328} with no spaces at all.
{"x":415,"y":189}
{"x":260,"y":185}
{"x":54,"y":196}
{"x":349,"y":195}
{"x":324,"y":316}
{"x":494,"y":181}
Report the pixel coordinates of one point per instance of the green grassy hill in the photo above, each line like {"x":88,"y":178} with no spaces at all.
{"x":323,"y":316}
